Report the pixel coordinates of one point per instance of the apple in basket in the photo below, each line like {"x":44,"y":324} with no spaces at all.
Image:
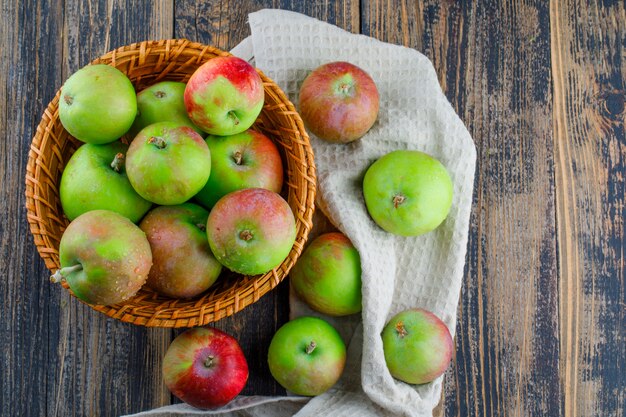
{"x":339,"y":102}
{"x":251,"y":231}
{"x":183,"y":264}
{"x":307,"y":356}
{"x":205,"y":367}
{"x":105,"y":258}
{"x":417,"y":346}
{"x":327,"y":276}
{"x":97,"y":104}
{"x":162,"y":102}
{"x":95,"y":179}
{"x":224,"y":96}
{"x":168,"y":163}
{"x":407,"y":193}
{"x":245,"y":160}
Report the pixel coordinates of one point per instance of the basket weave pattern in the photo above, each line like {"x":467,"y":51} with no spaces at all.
{"x":146,"y":63}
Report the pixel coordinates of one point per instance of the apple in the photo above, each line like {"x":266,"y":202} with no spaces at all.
{"x":168,"y":163}
{"x":105,"y":258}
{"x":97,"y":104}
{"x":251,"y":231}
{"x":245,"y":160}
{"x":95,"y":178}
{"x":162,"y":102}
{"x":183,"y":264}
{"x":307,"y":356}
{"x":327,"y":276}
{"x":205,"y":368}
{"x":224,"y":96}
{"x":407,"y":193}
{"x":339,"y":102}
{"x":417,"y":345}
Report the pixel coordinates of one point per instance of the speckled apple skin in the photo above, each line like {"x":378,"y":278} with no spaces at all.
{"x":420,"y":352}
{"x":114,"y":253}
{"x":186,"y":375}
{"x":262,"y":213}
{"x":327,"y":276}
{"x":224,"y":96}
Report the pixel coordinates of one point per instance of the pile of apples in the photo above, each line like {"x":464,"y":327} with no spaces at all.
{"x":197,"y":191}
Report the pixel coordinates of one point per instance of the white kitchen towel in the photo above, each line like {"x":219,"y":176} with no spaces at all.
{"x":398,"y":272}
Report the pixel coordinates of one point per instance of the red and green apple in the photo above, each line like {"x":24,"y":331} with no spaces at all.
{"x":339,"y":102}
{"x":245,"y":160}
{"x":224,"y":96}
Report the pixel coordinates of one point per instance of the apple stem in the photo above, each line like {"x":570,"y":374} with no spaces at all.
{"x":64,"y":272}
{"x":246,"y":235}
{"x":233,"y":116}
{"x":401,"y":329}
{"x":310,"y":347}
{"x":157,"y":141}
{"x":238,"y":157}
{"x":201,"y":227}
{"x":68,"y":99}
{"x":118,"y":162}
{"x":209,"y":361}
{"x":159,"y":94}
{"x":398,"y":199}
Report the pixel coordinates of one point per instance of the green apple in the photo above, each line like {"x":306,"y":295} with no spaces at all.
{"x":245,"y":160}
{"x":95,"y":178}
{"x":183,"y":264}
{"x":307,"y":356}
{"x":168,"y":163}
{"x":417,"y":345}
{"x":162,"y":102}
{"x":97,"y":104}
{"x":105,"y":258}
{"x":327,"y":276}
{"x":407,"y":193}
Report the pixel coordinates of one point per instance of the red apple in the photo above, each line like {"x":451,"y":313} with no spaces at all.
{"x":339,"y":102}
{"x":245,"y":160}
{"x":205,"y":368}
{"x":251,"y":231}
{"x":224,"y":96}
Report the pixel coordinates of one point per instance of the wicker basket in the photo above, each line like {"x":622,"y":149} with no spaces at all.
{"x":146,"y":63}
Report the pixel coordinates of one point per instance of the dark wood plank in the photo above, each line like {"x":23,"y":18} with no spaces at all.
{"x":589,"y":72}
{"x":30,"y":34}
{"x":224,"y":24}
{"x":97,"y":365}
{"x":493,"y":63}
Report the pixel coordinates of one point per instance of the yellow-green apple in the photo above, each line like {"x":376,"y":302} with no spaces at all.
{"x":97,"y":104}
{"x":327,"y":276}
{"x":95,"y":178}
{"x":417,"y":346}
{"x":339,"y":102}
{"x":205,"y":368}
{"x":307,"y":356}
{"x":407,"y":193}
{"x":183,"y":264}
{"x":251,"y":231}
{"x":168,"y":163}
{"x":245,"y":160}
{"x":162,"y":102}
{"x":105,"y":258}
{"x":224,"y":96}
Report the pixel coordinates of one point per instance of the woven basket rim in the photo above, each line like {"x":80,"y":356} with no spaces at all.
{"x":144,"y":308}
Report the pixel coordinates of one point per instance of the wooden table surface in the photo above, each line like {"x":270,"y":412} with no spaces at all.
{"x":541,"y":87}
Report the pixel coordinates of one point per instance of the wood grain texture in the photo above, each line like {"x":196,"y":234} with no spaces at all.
{"x":589,"y":71}
{"x":541,"y":88}
{"x":493,"y":62}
